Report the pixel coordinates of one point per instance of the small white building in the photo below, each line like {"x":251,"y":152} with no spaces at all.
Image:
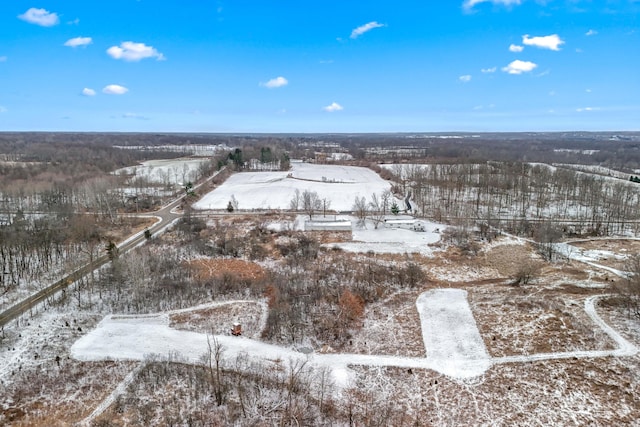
{"x":405,"y":223}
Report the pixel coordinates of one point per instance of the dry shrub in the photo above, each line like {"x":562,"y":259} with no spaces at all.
{"x":351,"y":306}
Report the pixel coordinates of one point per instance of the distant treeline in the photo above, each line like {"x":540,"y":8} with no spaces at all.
{"x":618,"y":150}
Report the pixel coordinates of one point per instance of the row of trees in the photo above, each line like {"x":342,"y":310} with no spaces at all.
{"x":259,"y":157}
{"x":310,"y":203}
{"x":498,"y":192}
{"x":376,"y":209}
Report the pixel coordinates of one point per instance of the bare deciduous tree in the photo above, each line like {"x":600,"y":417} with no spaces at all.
{"x":311,"y":202}
{"x":360,"y":210}
{"x":376,"y":210}
{"x":214,"y":363}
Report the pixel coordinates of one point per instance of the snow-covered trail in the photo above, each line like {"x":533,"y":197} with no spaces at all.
{"x":119,"y":390}
{"x":460,"y":354}
{"x":625,"y":348}
{"x":452,"y":341}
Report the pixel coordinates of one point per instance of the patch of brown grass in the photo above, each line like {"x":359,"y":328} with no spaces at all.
{"x":534,"y":319}
{"x":218,"y":267}
{"x":391,"y":327}
{"x":127,"y":227}
{"x":617,"y":246}
{"x":507,"y":259}
{"x":64,"y":397}
{"x":218,"y":320}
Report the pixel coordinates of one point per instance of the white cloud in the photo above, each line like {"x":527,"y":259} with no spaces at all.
{"x":469,"y":4}
{"x":130,"y":51}
{"x":489,"y":70}
{"x":519,"y":67}
{"x":551,"y":42}
{"x":586,"y":109}
{"x":78,"y":41}
{"x":364,"y":28}
{"x":276,"y":82}
{"x":333,"y":107}
{"x":41,"y":17}
{"x":516,"y":48}
{"x":134,"y":116}
{"x":465,"y":79}
{"x":115,"y":90}
{"x":588,"y":90}
{"x":3,"y":59}
{"x":89,"y":92}
{"x":591,"y":33}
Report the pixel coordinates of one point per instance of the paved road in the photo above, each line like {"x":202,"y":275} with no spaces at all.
{"x":166,"y":216}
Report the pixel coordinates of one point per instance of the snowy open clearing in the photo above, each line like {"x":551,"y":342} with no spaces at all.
{"x":386,"y":239}
{"x":393,"y":240}
{"x":274,"y":190}
{"x":452,"y":341}
{"x":451,"y":336}
{"x":166,"y":171}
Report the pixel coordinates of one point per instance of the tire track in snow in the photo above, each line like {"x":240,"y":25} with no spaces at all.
{"x":119,"y":390}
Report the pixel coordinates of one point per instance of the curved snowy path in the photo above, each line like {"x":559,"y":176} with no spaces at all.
{"x":452,"y":341}
{"x":625,"y":348}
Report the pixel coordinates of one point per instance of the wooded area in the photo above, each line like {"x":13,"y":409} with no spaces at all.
{"x":62,"y":205}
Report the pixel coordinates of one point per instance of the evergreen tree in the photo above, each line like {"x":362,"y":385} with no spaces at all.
{"x":395,"y":209}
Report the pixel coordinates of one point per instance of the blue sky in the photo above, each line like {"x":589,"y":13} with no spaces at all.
{"x":325,"y":66}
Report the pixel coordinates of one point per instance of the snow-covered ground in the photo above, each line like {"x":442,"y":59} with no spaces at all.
{"x":166,"y":171}
{"x":339,"y":185}
{"x":590,"y":257}
{"x":452,"y":341}
{"x":451,"y":336}
{"x":392,"y":240}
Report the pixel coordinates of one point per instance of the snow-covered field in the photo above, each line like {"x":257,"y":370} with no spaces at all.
{"x":590,"y":257}
{"x":364,"y":239}
{"x":392,"y":240}
{"x":187,"y":149}
{"x":165,"y":171}
{"x":339,"y":185}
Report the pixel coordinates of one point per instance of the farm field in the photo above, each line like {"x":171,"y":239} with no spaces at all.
{"x":274,"y":190}
{"x":170,"y":172}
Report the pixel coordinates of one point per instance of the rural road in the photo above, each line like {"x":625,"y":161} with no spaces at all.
{"x":165,"y":216}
